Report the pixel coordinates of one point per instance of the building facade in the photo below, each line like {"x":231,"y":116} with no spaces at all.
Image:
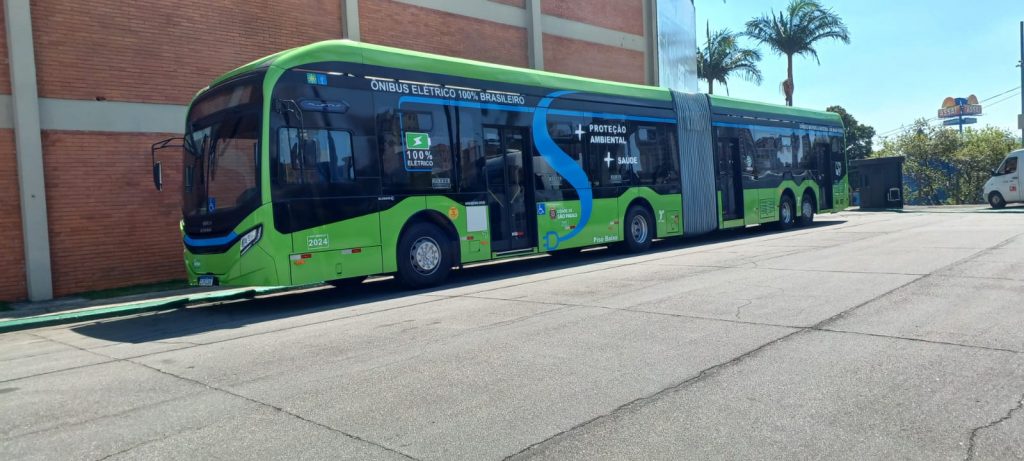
{"x":86,"y":87}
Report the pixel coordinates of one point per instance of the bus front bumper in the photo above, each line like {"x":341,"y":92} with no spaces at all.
{"x":255,"y":268}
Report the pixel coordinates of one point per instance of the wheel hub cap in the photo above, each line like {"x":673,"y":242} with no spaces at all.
{"x":425,"y":255}
{"x":639,"y":229}
{"x":807,"y":209}
{"x":787,"y":214}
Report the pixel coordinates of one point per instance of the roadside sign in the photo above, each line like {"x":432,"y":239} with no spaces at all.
{"x":956,"y":121}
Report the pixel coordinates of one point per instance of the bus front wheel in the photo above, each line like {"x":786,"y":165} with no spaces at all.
{"x":424,"y":258}
{"x":639,"y":229}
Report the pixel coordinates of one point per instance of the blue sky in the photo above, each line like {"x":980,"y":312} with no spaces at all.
{"x":904,"y":58}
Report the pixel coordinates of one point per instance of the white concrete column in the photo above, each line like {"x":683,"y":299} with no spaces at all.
{"x":29,"y":149}
{"x":350,"y":21}
{"x":651,"y":42}
{"x":534,"y":34}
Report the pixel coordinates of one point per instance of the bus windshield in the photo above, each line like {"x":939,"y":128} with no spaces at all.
{"x":221,"y":158}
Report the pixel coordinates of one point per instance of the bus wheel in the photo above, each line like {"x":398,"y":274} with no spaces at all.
{"x":639,"y":229}
{"x":786,"y":214}
{"x":423,"y":256}
{"x":806,"y":211}
{"x":996,"y":200}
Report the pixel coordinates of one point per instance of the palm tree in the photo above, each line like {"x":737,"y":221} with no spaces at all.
{"x":795,"y":32}
{"x":722,"y":56}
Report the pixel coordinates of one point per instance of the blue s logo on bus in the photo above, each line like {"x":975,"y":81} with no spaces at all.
{"x":541,"y":209}
{"x":565,"y":166}
{"x":211,"y":205}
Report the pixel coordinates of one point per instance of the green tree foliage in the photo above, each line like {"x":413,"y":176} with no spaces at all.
{"x":943,"y":167}
{"x":722,"y":57}
{"x":858,"y":136}
{"x":795,"y":31}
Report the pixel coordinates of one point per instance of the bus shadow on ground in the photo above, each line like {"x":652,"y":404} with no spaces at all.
{"x":229,"y":315}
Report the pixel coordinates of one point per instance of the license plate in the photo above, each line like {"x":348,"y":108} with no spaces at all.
{"x":206,"y":280}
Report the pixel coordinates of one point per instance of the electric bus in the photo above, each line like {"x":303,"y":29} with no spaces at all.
{"x":340,"y":160}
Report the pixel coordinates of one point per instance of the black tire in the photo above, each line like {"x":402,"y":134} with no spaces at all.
{"x":639,"y":229}
{"x":424,"y":256}
{"x":807,"y":209}
{"x":996,"y":200}
{"x":787,"y":215}
{"x":347,"y":283}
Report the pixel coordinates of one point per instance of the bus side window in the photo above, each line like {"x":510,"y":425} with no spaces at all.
{"x":767,"y":146}
{"x":659,"y":164}
{"x":408,"y":168}
{"x":549,"y":185}
{"x":470,"y":158}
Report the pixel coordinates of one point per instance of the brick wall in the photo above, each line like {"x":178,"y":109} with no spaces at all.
{"x":160,"y":51}
{"x":109,"y":227}
{"x":592,"y":60}
{"x":385,"y":22}
{"x":622,"y":15}
{"x":5,"y":73}
{"x":12,"y":252}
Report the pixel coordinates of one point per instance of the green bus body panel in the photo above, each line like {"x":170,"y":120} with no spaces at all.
{"x":367,"y":245}
{"x":762,"y":205}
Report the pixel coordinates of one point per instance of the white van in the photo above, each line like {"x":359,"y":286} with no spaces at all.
{"x":1005,"y":184}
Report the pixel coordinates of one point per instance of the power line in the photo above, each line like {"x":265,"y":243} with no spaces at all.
{"x":998,"y":95}
{"x":1012,"y":96}
{"x":903,"y":128}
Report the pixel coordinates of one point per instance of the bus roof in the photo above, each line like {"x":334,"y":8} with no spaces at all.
{"x":755,"y":107}
{"x":384,"y":56}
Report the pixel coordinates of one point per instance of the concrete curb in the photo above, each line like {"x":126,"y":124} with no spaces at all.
{"x":102,"y":312}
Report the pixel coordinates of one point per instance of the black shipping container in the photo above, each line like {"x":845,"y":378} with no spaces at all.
{"x":877,"y":182}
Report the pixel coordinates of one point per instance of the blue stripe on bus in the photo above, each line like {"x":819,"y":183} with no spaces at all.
{"x":211,"y":242}
{"x":819,"y":129}
{"x":637,"y":118}
{"x":505,"y":107}
{"x":565,"y":165}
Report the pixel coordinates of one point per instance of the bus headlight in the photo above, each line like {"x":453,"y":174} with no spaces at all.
{"x":249,"y":239}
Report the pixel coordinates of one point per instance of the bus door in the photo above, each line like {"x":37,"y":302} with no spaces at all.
{"x":730,"y":181}
{"x":828,"y":175}
{"x":509,"y":200}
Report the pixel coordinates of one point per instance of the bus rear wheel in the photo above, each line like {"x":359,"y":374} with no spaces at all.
{"x":424,"y":258}
{"x":639,"y":229}
{"x":786,"y":213}
{"x":806,"y":211}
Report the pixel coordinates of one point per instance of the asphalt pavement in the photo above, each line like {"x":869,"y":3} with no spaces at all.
{"x":865,"y":336}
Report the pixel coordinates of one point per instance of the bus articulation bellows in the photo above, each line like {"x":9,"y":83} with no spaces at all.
{"x":339,"y":160}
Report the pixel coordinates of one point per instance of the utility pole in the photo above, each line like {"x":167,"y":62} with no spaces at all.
{"x":1020,"y":118}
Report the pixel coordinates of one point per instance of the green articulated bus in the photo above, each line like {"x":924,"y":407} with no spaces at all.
{"x":340,"y":160}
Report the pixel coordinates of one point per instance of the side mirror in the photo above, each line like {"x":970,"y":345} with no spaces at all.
{"x":158,"y":176}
